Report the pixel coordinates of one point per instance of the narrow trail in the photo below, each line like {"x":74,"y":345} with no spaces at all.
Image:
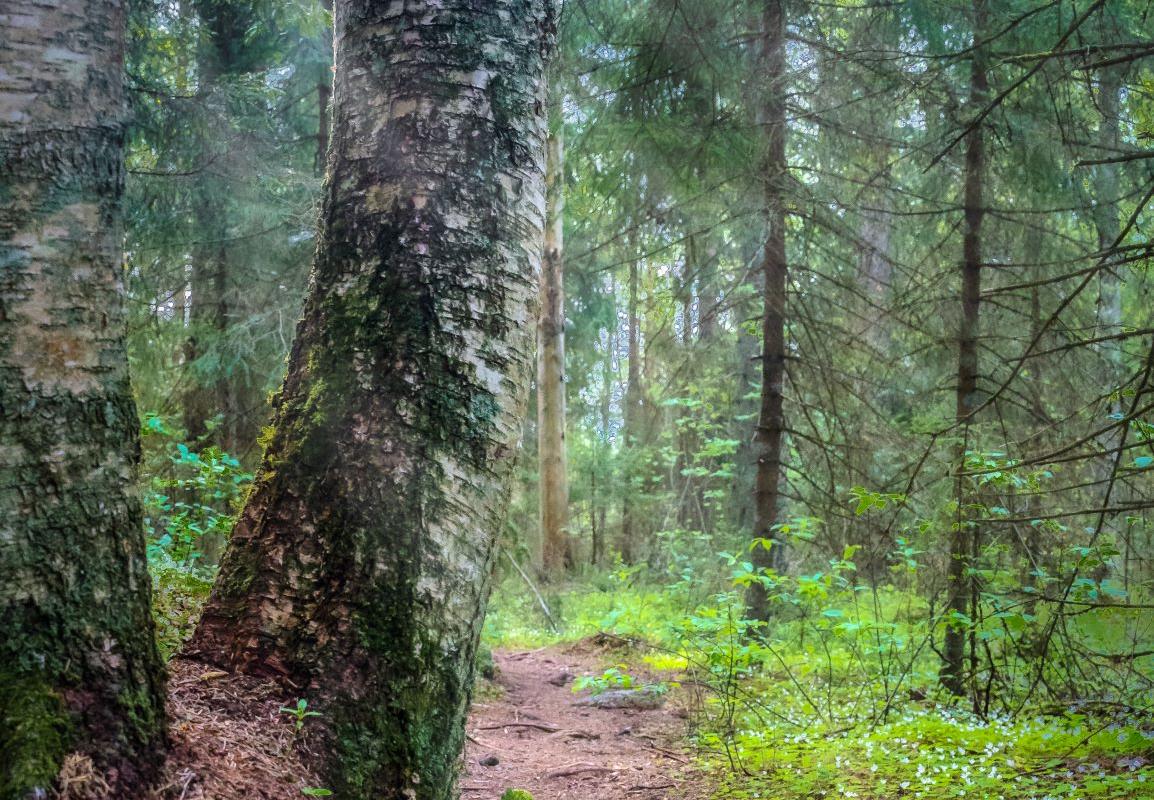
{"x":544,"y":742}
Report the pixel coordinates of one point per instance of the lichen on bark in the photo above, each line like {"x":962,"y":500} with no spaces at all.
{"x":359,"y":569}
{"x":79,"y":670}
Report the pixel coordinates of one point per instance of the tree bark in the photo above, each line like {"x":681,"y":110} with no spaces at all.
{"x":208,"y":391}
{"x":1106,"y":223}
{"x":631,"y":413}
{"x":359,"y":568}
{"x":963,"y":538}
{"x":775,"y":270}
{"x":79,"y":670}
{"x":554,"y":481}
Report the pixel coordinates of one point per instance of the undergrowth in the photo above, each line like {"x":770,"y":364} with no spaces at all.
{"x":838,"y":696}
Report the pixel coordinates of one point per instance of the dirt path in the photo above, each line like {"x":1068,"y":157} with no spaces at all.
{"x":547,"y":744}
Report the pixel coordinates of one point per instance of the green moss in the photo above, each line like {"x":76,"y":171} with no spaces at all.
{"x":485,"y":666}
{"x":177,"y":599}
{"x":34,"y":735}
{"x":516,"y":794}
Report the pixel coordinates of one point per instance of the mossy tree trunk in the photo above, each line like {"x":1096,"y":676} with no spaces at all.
{"x":359,"y":569}
{"x":79,"y":670}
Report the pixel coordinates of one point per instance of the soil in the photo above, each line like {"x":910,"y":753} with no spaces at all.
{"x":232,"y":742}
{"x":544,"y":742}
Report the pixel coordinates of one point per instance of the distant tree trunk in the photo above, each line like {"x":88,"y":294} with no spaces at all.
{"x":963,"y":539}
{"x":1106,"y":222}
{"x":554,"y":481}
{"x":747,"y":369}
{"x":79,"y":670}
{"x":209,"y":395}
{"x":876,"y":270}
{"x":680,"y":483}
{"x":206,"y":392}
{"x":1030,"y":538}
{"x":596,"y":520}
{"x":775,"y":269}
{"x":359,"y":568}
{"x":631,"y":414}
{"x":602,"y":502}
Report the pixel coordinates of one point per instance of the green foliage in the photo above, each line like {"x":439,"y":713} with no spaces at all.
{"x":192,"y":497}
{"x":612,"y":678}
{"x":178,"y":596}
{"x":299,"y":713}
{"x":516,"y":794}
{"x":837,"y":695}
{"x":190,"y":504}
{"x":616,"y":677}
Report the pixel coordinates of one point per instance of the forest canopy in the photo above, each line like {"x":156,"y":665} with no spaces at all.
{"x":783,"y":367}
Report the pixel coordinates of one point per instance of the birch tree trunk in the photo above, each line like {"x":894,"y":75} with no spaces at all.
{"x":964,"y":540}
{"x":79,"y":670}
{"x":358,"y":571}
{"x":554,"y":481}
{"x":775,"y":270}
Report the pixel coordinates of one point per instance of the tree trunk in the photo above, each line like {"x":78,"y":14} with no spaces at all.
{"x":631,"y":414}
{"x":1106,"y":223}
{"x":963,"y":537}
{"x":207,"y":391}
{"x":359,"y":568}
{"x":209,"y":395}
{"x":775,"y":269}
{"x":79,"y":670}
{"x":554,"y":482}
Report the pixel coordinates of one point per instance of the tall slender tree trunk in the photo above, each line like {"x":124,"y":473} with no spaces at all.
{"x":554,"y":481}
{"x":1106,"y":222}
{"x":747,"y":355}
{"x":601,"y":500}
{"x":209,"y":395}
{"x":964,"y":537}
{"x":359,"y":569}
{"x":1031,"y":535}
{"x":775,"y":270}
{"x":79,"y":670}
{"x":680,"y":483}
{"x":207,"y":392}
{"x":631,"y":413}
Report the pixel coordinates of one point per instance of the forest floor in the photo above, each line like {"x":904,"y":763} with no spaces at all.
{"x":544,"y":741}
{"x":527,"y":730}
